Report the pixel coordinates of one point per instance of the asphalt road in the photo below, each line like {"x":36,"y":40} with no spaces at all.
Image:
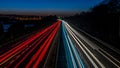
{"x":31,"y":52}
{"x":93,"y":55}
{"x":59,"y":46}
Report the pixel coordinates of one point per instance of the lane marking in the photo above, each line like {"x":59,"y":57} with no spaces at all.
{"x":110,"y":56}
{"x":84,"y":51}
{"x":88,"y":50}
{"x":97,"y":48}
{"x":109,"y":59}
{"x":81,"y":65}
{"x":67,"y":43}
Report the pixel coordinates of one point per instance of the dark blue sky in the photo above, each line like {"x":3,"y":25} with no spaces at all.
{"x":47,"y":5}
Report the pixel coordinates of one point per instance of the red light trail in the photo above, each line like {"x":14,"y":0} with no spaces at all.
{"x":42,"y":39}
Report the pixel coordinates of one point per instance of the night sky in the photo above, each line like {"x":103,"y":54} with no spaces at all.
{"x":47,"y":5}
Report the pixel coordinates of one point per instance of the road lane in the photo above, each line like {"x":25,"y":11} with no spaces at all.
{"x":61,"y":61}
{"x":17,"y":49}
{"x":31,"y":50}
{"x":47,"y":44}
{"x":93,"y":56}
{"x":64,"y":48}
{"x":50,"y":61}
{"x":75,"y":57}
{"x":97,"y":53}
{"x":22,"y":50}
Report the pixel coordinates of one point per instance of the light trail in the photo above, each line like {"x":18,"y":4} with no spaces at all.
{"x":42,"y":50}
{"x":109,"y":59}
{"x":77,"y":60}
{"x":47,"y":44}
{"x":36,"y":43}
{"x":32,"y":51}
{"x":7,"y":56}
{"x":16,"y":50}
{"x":69,"y":54}
{"x":9,"y":53}
{"x":94,"y":64}
{"x":84,"y":46}
{"x":97,"y":48}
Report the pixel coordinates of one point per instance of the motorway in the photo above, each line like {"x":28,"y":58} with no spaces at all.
{"x":59,"y":46}
{"x":92,"y":54}
{"x":31,"y":52}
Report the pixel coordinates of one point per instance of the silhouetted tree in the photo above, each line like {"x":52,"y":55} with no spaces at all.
{"x":102,"y":21}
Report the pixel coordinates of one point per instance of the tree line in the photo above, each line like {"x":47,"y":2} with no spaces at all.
{"x":102,"y":21}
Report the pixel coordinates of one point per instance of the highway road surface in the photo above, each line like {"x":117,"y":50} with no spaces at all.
{"x":31,"y":52}
{"x":59,"y":46}
{"x":91,"y":54}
